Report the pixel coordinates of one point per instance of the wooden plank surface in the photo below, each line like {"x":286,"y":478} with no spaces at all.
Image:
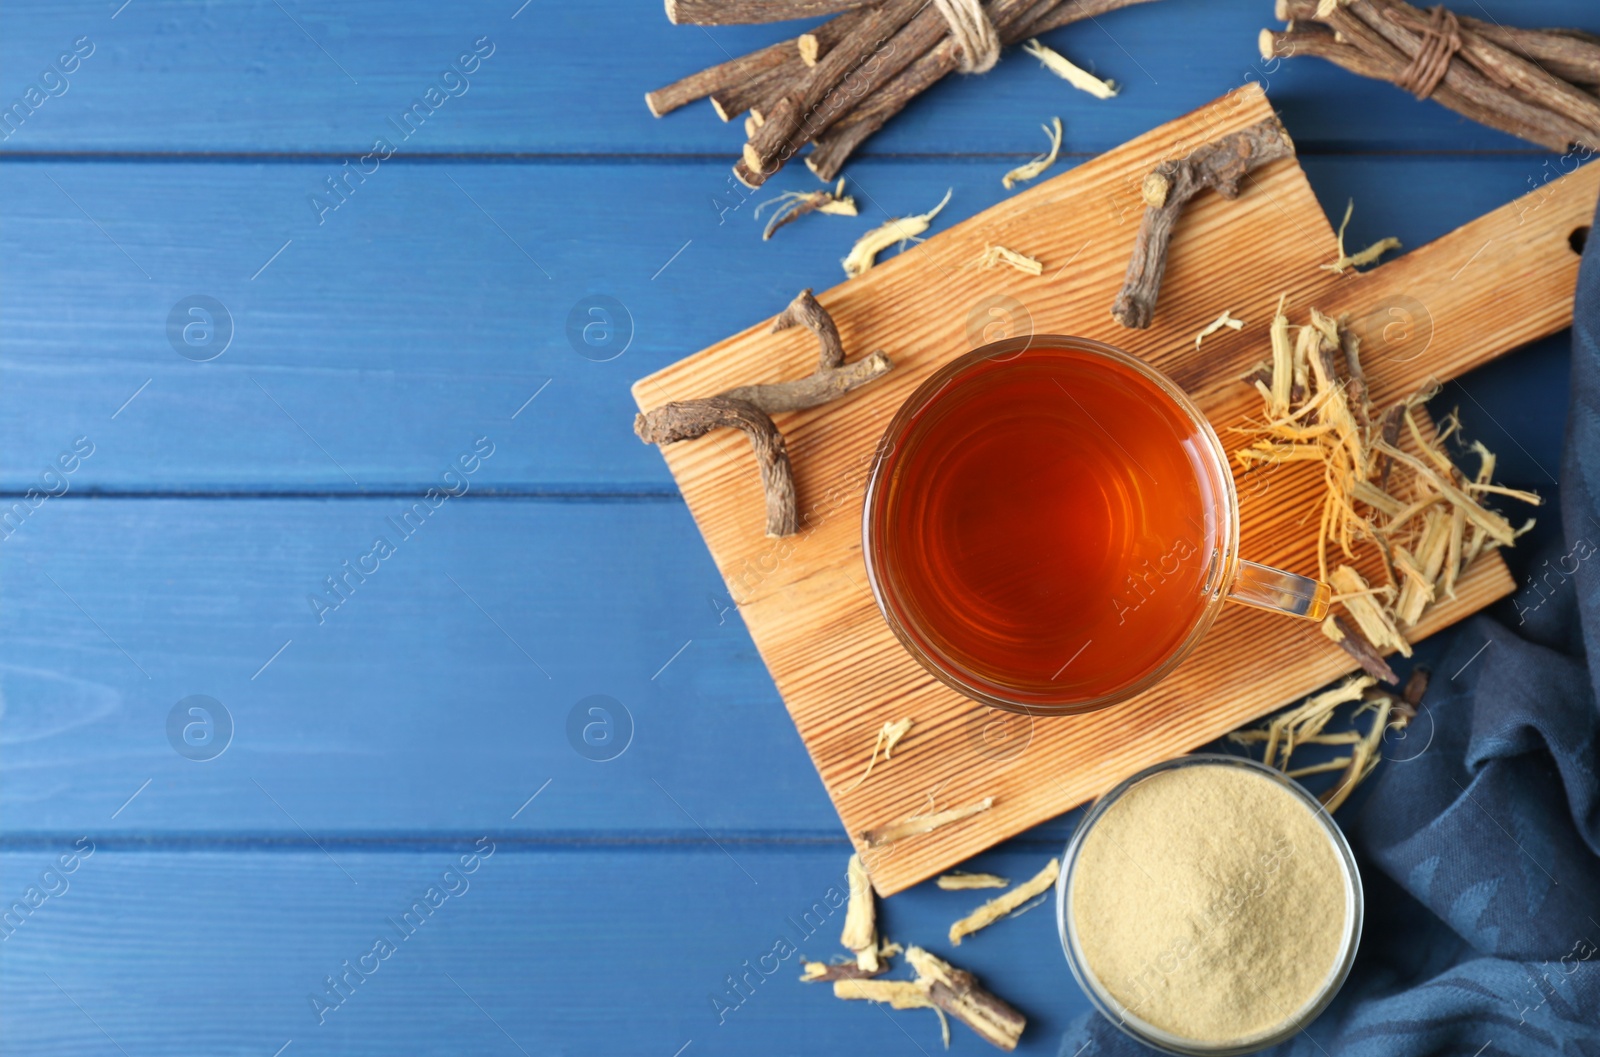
{"x":404,"y":323}
{"x":564,"y":950}
{"x":409,"y":321}
{"x":325,"y":77}
{"x":410,"y":709}
{"x":841,"y":673}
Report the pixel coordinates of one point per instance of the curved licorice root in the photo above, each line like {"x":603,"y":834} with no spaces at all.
{"x":688,"y":419}
{"x":750,"y":408}
{"x":1167,"y":189}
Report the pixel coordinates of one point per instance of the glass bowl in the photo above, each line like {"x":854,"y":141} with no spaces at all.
{"x":1160,"y":1038}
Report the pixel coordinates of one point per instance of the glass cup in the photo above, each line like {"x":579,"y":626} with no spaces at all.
{"x":1226,"y":576}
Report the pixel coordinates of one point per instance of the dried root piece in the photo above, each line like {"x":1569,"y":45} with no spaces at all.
{"x":1074,"y":75}
{"x":722,"y":76}
{"x":1299,"y":725}
{"x":958,"y":881}
{"x":1535,"y":83}
{"x":864,"y":254}
{"x":688,"y":419}
{"x":818,"y":972}
{"x":1338,"y":629}
{"x":1221,"y":166}
{"x":1416,"y":686}
{"x":1224,"y":320}
{"x":958,"y":993}
{"x":899,"y":994}
{"x":1038,"y":165}
{"x":896,"y":994}
{"x":1366,"y":607}
{"x":1307,"y":724}
{"x":1425,"y":524}
{"x":913,"y":827}
{"x":792,"y":205}
{"x":889,"y":736}
{"x":1004,"y":905}
{"x":893,"y":732}
{"x":860,"y":918}
{"x":994,"y":256}
{"x":1366,"y":256}
{"x":1282,"y":391}
{"x":938,"y":986}
{"x":740,"y":12}
{"x":1335,"y":764}
{"x":750,"y":408}
{"x":1364,"y":754}
{"x":840,"y":81}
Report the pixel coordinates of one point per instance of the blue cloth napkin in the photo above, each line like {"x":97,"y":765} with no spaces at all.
{"x":1481,"y":855}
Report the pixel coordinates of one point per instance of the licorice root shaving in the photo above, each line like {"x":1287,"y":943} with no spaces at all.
{"x":889,"y":736}
{"x":1033,"y":169}
{"x":1005,"y":905}
{"x":994,"y":256}
{"x":864,"y":254}
{"x":1070,"y":72}
{"x":792,"y":205}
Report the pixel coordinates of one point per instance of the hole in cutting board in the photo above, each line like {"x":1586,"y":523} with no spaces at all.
{"x":1578,"y":238}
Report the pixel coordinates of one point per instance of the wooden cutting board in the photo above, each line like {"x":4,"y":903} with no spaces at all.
{"x":1493,"y":285}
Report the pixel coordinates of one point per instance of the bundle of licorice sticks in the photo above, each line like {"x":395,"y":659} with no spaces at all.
{"x":837,"y":84}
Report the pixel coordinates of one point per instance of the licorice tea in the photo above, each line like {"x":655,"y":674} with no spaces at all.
{"x":1049,"y":526}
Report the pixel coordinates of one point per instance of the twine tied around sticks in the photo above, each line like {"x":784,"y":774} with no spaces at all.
{"x":1441,"y":40}
{"x":974,"y":34}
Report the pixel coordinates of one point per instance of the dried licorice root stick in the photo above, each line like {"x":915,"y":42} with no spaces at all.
{"x":746,"y":12}
{"x":1219,"y":166}
{"x":688,"y":419}
{"x":855,"y":67}
{"x":958,"y":993}
{"x":722,"y":77}
{"x":1350,"y":639}
{"x":1536,"y":84}
{"x":834,"y":146}
{"x":750,"y":408}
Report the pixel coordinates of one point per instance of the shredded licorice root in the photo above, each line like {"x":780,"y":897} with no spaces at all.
{"x":889,"y":736}
{"x":938,"y":986}
{"x":1366,"y":256}
{"x":994,"y":256}
{"x":1005,"y":905}
{"x":1420,"y":513}
{"x":792,"y":205}
{"x":860,"y":933}
{"x":957,"y":881}
{"x":817,"y":972}
{"x":1038,"y":165}
{"x":864,"y":254}
{"x":918,"y":825}
{"x":1224,"y":320}
{"x":896,"y":994}
{"x":1074,"y":75}
{"x":1307,"y":724}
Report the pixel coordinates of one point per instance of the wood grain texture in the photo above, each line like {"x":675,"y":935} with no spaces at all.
{"x":840,"y":671}
{"x":207,"y":951}
{"x":408,"y":319}
{"x":245,"y":78}
{"x":406,"y":324}
{"x":417,"y":707}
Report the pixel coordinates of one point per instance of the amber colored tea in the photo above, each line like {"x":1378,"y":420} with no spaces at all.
{"x":1049,"y":525}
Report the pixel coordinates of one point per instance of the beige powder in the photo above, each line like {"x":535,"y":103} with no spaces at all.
{"x":1210,"y":902}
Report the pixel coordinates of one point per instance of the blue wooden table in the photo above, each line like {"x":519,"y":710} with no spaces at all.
{"x":266,"y":788}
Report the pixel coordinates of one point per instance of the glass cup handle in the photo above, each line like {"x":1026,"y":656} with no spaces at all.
{"x":1267,"y":588}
